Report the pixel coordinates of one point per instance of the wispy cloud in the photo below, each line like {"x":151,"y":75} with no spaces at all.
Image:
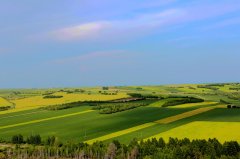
{"x":89,"y":30}
{"x":144,"y":23}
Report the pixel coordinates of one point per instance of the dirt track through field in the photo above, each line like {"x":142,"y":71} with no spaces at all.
{"x":146,"y":125}
{"x":46,"y":119}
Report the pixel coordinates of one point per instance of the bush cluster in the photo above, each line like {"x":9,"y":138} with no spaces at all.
{"x":3,"y":108}
{"x":212,"y":87}
{"x":32,"y":139}
{"x":52,"y":96}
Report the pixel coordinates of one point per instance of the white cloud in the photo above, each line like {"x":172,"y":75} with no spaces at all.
{"x":81,"y":31}
{"x":96,"y":29}
{"x":143,"y":23}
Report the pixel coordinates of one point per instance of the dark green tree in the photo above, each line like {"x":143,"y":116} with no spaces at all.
{"x":17,"y":139}
{"x":34,"y":139}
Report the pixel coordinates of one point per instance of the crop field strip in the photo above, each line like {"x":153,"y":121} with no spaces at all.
{"x":16,"y":110}
{"x":4,"y":102}
{"x":35,"y":102}
{"x":119,"y":133}
{"x":146,"y":125}
{"x":39,"y":101}
{"x":46,"y":119}
{"x":214,"y":115}
{"x":25,"y":116}
{"x":222,"y":130}
{"x":161,"y":102}
{"x":93,"y":123}
{"x":185,"y":115}
{"x":194,"y":104}
{"x":142,"y":122}
{"x":220,"y":123}
{"x":11,"y":116}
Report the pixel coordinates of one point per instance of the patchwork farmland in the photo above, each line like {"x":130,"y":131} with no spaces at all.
{"x":123,"y":114}
{"x":156,"y":111}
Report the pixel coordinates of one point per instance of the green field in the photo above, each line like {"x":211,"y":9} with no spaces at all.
{"x":83,"y":123}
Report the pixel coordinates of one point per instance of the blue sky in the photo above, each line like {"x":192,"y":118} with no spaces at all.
{"x":62,"y":43}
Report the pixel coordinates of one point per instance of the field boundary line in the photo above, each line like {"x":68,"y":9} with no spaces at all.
{"x":184,"y":115}
{"x":149,"y":124}
{"x":46,"y":119}
{"x":5,"y":117}
{"x":16,"y":110}
{"x":188,"y":105}
{"x":121,"y":132}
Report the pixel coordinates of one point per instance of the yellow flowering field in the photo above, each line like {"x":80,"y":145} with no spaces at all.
{"x":224,"y":131}
{"x":39,"y":101}
{"x":67,"y":98}
{"x":193,"y":105}
{"x":4,"y":102}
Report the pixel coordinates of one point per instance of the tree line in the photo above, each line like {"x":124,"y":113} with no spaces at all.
{"x":148,"y":149}
{"x":178,"y":101}
{"x":110,"y":108}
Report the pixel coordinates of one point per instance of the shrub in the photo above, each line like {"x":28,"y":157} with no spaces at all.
{"x":135,"y":95}
{"x":17,"y":139}
{"x":5,"y":108}
{"x":51,"y":141}
{"x":34,"y":139}
{"x":105,"y":88}
{"x":52,"y":96}
{"x":231,"y":148}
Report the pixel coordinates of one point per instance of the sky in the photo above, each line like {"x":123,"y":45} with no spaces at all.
{"x":62,"y":43}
